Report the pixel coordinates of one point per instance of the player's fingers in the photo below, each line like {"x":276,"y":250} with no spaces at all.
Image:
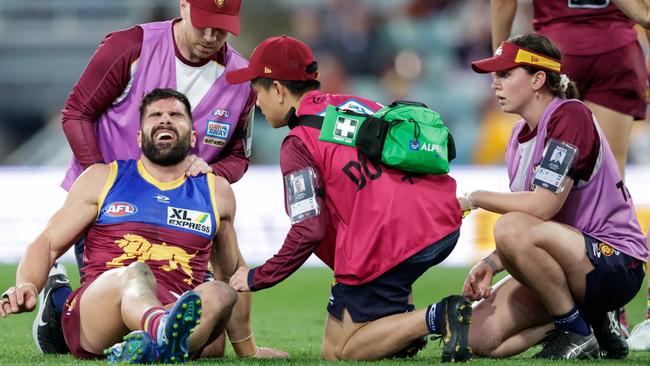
{"x":264,"y":352}
{"x":9,"y":300}
{"x":20,"y":296}
{"x":31,"y":299}
{"x":13,"y":300}
{"x":5,"y":308}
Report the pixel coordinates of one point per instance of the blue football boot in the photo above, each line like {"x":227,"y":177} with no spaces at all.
{"x":175,"y":328}
{"x":138,"y":347}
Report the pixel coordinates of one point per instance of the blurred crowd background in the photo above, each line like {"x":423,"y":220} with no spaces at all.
{"x":380,"y":49}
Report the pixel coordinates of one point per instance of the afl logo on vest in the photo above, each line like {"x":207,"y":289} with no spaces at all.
{"x":121,"y":209}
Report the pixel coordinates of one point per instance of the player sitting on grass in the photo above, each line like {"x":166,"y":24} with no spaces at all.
{"x":151,"y":232}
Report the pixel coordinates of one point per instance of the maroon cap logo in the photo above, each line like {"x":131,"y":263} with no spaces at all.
{"x":220,"y":3}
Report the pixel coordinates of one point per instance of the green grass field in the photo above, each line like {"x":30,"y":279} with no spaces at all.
{"x":291,"y":317}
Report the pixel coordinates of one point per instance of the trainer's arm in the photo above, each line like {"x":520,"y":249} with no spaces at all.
{"x":303,"y":238}
{"x":540,"y":203}
{"x":503,"y":13}
{"x":102,"y":82}
{"x":232,"y":162}
{"x":637,"y":10}
{"x":68,"y":223}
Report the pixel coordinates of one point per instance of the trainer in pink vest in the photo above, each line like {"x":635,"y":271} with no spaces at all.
{"x":216,"y":114}
{"x":601,"y":208}
{"x":380,"y":219}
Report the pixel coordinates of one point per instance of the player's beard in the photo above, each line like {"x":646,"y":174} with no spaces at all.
{"x":163,"y":153}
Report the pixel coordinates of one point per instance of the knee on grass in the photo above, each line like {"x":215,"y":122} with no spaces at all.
{"x":486,"y":346}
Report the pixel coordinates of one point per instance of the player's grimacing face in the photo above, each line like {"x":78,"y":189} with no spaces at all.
{"x":512,"y":89}
{"x":166,"y":133}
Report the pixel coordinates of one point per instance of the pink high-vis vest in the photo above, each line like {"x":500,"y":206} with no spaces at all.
{"x":601,"y":208}
{"x":215,"y":117}
{"x":380,"y":217}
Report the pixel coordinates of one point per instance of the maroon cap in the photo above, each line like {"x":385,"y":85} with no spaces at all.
{"x":279,"y":58}
{"x":222,"y":14}
{"x":509,"y":56}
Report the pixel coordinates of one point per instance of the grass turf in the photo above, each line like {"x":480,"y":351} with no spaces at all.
{"x":291,"y":316}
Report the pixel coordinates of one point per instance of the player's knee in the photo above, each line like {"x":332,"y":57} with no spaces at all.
{"x":139,"y":270}
{"x":509,"y":233}
{"x":329,"y":353}
{"x":217,"y":298}
{"x":485,"y":350}
{"x":347,"y":354}
{"x":483,"y":346}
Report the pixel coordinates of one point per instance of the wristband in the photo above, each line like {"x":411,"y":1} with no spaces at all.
{"x":493,"y":266}
{"x":468,"y":197}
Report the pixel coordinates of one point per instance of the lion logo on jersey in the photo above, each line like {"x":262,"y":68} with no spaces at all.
{"x":140,"y":249}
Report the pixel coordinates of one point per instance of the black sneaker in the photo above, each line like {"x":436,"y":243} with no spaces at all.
{"x":457,"y":313}
{"x":47,"y":330}
{"x":412,"y":349}
{"x":610,"y":338}
{"x":563,"y":345}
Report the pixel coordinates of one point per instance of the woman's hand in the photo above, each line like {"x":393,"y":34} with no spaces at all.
{"x":478,"y":284}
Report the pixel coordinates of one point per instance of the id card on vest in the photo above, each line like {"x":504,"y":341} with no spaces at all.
{"x":553,"y":169}
{"x":300,"y":188}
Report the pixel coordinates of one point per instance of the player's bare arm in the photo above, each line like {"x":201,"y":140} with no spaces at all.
{"x":503,"y":13}
{"x":225,"y":255}
{"x":227,"y":258}
{"x":637,"y":10}
{"x":78,"y":211}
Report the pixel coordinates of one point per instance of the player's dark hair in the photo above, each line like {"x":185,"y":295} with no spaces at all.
{"x":542,"y":45}
{"x":164,"y":93}
{"x":297,"y":88}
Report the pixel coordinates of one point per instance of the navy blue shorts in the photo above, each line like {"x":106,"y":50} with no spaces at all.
{"x":615,"y":280}
{"x":388,"y":294}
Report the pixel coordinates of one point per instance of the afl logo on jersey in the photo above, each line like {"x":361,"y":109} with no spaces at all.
{"x":221,"y":113}
{"x":120,"y":209}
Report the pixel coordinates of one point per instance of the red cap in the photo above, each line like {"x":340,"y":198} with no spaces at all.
{"x":222,"y":14}
{"x":509,"y":56}
{"x":279,"y":58}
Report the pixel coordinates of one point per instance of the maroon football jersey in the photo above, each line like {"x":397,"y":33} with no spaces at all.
{"x":583,"y":27}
